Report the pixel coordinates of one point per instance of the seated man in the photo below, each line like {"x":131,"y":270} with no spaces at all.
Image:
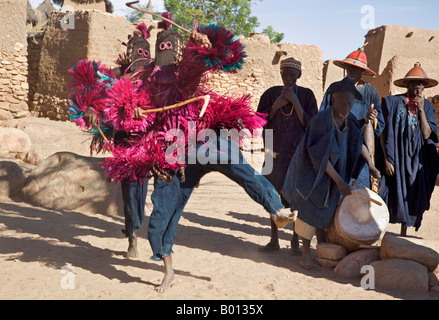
{"x":331,"y":153}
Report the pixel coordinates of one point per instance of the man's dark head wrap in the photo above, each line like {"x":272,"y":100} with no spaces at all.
{"x":345,"y":85}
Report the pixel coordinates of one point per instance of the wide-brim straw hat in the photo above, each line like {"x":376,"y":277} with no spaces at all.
{"x":358,"y":59}
{"x":416,"y":74}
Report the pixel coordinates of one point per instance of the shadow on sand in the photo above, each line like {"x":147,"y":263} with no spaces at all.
{"x":69,"y":227}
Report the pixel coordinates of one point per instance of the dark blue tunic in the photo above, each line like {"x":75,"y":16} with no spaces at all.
{"x":308,"y":188}
{"x":415,"y":159}
{"x":287,"y":130}
{"x":360,"y":110}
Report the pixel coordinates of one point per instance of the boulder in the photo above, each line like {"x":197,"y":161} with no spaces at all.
{"x":12,"y":179}
{"x":13,"y":140}
{"x":351,"y":265}
{"x":67,"y":181}
{"x":32,"y":157}
{"x":418,"y":250}
{"x":400,"y":274}
{"x":433,"y":279}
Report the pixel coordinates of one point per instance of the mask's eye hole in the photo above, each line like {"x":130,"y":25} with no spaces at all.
{"x":165,"y":45}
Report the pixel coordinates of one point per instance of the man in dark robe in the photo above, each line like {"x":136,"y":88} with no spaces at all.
{"x":290,"y":107}
{"x":410,"y":156}
{"x":331,"y":153}
{"x":368,"y":111}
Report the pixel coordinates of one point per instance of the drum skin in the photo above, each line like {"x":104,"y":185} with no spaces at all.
{"x":359,"y":221}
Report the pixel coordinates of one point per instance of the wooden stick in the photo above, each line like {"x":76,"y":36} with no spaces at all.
{"x":102,"y":134}
{"x":374,"y":180}
{"x":206,"y":99}
{"x":130,"y":4}
{"x":367,"y":198}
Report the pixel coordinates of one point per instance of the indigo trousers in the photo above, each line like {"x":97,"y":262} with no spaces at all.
{"x":134,"y":198}
{"x":169,"y":199}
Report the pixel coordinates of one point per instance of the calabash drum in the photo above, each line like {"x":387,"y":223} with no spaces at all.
{"x":359,"y":221}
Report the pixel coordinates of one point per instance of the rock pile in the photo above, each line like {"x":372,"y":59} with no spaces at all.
{"x":406,"y":264}
{"x":225,"y":83}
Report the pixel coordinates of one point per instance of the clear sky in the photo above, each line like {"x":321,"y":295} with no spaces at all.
{"x":338,"y":27}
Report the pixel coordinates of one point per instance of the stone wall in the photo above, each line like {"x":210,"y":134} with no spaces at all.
{"x":13,"y":60}
{"x":262,"y":69}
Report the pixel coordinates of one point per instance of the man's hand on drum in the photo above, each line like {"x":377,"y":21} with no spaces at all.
{"x":344,"y":188}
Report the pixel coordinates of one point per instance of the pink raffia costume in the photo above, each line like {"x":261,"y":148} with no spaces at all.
{"x":168,"y":83}
{"x":179,"y":73}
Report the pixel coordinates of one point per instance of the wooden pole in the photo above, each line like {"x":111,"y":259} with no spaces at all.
{"x":130,"y":4}
{"x":206,"y":99}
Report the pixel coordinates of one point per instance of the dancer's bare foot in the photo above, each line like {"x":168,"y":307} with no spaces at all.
{"x":169,"y":275}
{"x":132,"y":247}
{"x":166,"y":283}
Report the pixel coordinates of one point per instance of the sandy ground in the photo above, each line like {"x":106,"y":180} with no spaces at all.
{"x":216,"y":252}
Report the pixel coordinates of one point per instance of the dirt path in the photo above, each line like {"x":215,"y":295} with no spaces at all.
{"x":216,"y":250}
{"x":216,"y":255}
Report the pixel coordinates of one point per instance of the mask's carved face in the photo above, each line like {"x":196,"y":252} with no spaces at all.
{"x":168,"y":48}
{"x":138,"y":52}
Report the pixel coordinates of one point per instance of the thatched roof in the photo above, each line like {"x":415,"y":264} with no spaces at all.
{"x":108,"y":5}
{"x":31,"y":17}
{"x":148,"y":16}
{"x":45,"y":10}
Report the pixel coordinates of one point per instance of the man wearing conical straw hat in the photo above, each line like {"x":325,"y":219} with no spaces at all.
{"x":411,"y":162}
{"x":367,"y":111}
